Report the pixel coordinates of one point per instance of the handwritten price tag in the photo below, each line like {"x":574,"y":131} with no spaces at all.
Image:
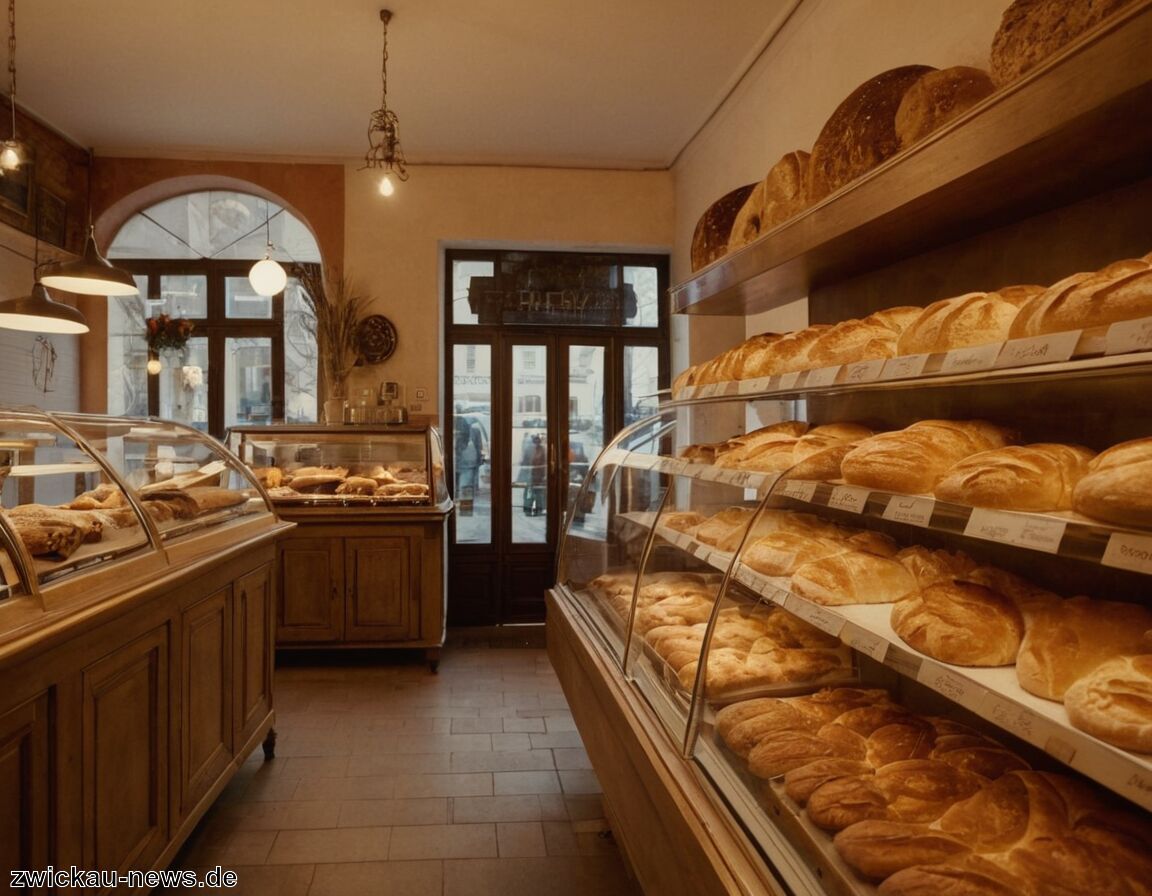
{"x":740,"y":478}
{"x":1128,"y":551}
{"x":964,"y":360}
{"x":1129,"y":336}
{"x":866,"y":642}
{"x":819,"y":617}
{"x":749,"y":578}
{"x":1034,"y":533}
{"x":702,"y":551}
{"x":863,"y":371}
{"x":1038,"y":349}
{"x":822,"y":376}
{"x":955,"y":687}
{"x":800,"y":489}
{"x":904,"y":367}
{"x":1015,"y":719}
{"x":908,"y":509}
{"x":849,"y":497}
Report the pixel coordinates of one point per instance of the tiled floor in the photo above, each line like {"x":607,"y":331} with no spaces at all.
{"x":391,"y":780}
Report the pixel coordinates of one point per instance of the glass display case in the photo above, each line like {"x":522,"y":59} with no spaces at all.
{"x":81,"y":492}
{"x":359,"y":467}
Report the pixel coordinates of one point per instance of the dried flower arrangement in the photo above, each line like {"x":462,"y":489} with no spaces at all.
{"x":164,"y":332}
{"x":336,"y":309}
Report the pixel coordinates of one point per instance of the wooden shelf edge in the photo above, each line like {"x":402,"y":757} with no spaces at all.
{"x":1072,"y":128}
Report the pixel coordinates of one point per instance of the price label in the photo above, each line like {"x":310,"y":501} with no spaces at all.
{"x":711,"y":474}
{"x":1014,"y":718}
{"x":740,"y":478}
{"x":815,"y":615}
{"x":822,"y":376}
{"x":1137,"y":786}
{"x":904,"y":367}
{"x":1128,"y":551}
{"x":1129,"y":336}
{"x":863,"y":371}
{"x":909,"y":509}
{"x":758,"y":385}
{"x":955,"y":687}
{"x":707,"y":390}
{"x":732,"y":387}
{"x":1060,"y":748}
{"x":789,"y":380}
{"x":866,"y":642}
{"x":676,"y":466}
{"x":646,"y":461}
{"x":800,"y":489}
{"x":702,"y":551}
{"x":760,"y":480}
{"x":749,"y":578}
{"x":1038,"y":349}
{"x":977,"y":357}
{"x":849,"y":497}
{"x":1035,"y":533}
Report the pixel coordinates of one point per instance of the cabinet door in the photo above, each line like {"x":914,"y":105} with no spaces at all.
{"x":251,"y":653}
{"x":382,"y":587}
{"x":25,"y":785}
{"x":311,"y":606}
{"x":125,"y":750}
{"x":206,"y":695}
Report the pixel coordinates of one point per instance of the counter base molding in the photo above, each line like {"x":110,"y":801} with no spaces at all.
{"x":660,"y":804}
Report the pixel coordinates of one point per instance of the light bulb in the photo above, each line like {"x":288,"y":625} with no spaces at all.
{"x":267,"y":277}
{"x":11,"y":156}
{"x":154,"y":366}
{"x":387,"y":188}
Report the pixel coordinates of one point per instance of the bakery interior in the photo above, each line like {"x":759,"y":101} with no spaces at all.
{"x":843,"y":586}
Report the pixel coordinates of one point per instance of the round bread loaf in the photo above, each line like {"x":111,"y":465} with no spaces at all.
{"x":710,"y":238}
{"x":961,"y":623}
{"x":1114,"y":702}
{"x":853,"y":577}
{"x":782,"y":194}
{"x":1118,"y":485}
{"x":937,"y":98}
{"x":861,"y":132}
{"x":1032,"y":30}
{"x":1037,"y":477}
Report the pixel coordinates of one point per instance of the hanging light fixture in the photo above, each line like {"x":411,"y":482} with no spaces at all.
{"x":91,"y":274}
{"x":384,"y":150}
{"x":13,"y":153}
{"x":39,"y":313}
{"x":267,"y":276}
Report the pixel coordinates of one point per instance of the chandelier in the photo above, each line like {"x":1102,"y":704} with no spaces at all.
{"x":384,"y":151}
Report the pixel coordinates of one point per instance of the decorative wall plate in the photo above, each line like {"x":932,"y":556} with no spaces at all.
{"x":375,"y":338}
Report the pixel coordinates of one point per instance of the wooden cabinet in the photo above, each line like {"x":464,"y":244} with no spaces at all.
{"x":367,"y":580}
{"x":26,"y":787}
{"x":252,"y":647}
{"x":206,"y":690}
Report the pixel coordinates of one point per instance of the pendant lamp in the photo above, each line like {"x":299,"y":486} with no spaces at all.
{"x":39,"y":313}
{"x":267,"y":276}
{"x":384,"y":150}
{"x":13,"y":153}
{"x":92,"y":274}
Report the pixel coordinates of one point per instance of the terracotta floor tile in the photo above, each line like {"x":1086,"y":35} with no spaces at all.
{"x":477,"y":725}
{"x":379,"y":879}
{"x":520,"y":725}
{"x":571,"y":758}
{"x":555,"y":876}
{"x":442,"y":743}
{"x":310,"y":766}
{"x":473,"y":809}
{"x":560,"y":839}
{"x":331,"y":845}
{"x":398,"y":764}
{"x":450,"y":841}
{"x":583,"y":807}
{"x":505,"y":761}
{"x":579,"y":781}
{"x":511,"y":742}
{"x":277,"y":816}
{"x":559,"y":722}
{"x":561,"y":739}
{"x":376,"y":787}
{"x":520,"y":838}
{"x":553,"y":807}
{"x":419,"y":786}
{"x":505,"y":783}
{"x":237,"y":848}
{"x":375,"y":813}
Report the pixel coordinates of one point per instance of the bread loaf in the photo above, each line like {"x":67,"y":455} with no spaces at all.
{"x":789,"y":353}
{"x":1039,"y":477}
{"x":1118,"y":485}
{"x":1071,"y":638}
{"x":853,"y":577}
{"x":937,"y":98}
{"x":914,"y":459}
{"x":1114,"y":702}
{"x":975,"y":318}
{"x":861,"y":132}
{"x":710,"y":238}
{"x":876,"y":849}
{"x":782,"y":194}
{"x":929,"y":567}
{"x":1032,"y":30}
{"x":965,"y":875}
{"x":961,"y":623}
{"x":1119,"y":291}
{"x":867,"y":339}
{"x":357,"y":485}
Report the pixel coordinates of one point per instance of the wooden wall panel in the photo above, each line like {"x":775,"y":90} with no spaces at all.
{"x":252,"y":650}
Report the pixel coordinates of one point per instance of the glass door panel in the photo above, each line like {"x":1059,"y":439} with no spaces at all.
{"x":585,"y":422}
{"x":528,"y":494}
{"x":183,"y":383}
{"x":247,"y":380}
{"x":641,"y":381}
{"x":471,"y":402}
{"x":241,"y":300}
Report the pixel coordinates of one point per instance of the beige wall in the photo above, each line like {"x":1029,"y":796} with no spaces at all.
{"x":393,"y":246}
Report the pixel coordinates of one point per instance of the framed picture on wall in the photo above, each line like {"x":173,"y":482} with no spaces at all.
{"x":51,"y":218}
{"x":16,"y":191}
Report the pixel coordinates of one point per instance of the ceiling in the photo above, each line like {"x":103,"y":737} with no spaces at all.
{"x":600,"y":84}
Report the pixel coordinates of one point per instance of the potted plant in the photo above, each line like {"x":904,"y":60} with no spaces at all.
{"x":336,"y":309}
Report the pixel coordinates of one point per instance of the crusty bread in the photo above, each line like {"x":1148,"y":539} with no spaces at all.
{"x":1118,"y":485}
{"x":782,"y":194}
{"x":964,"y":875}
{"x":937,"y":98}
{"x":853,"y":577}
{"x":1070,"y":638}
{"x":269,"y":477}
{"x":1037,"y":477}
{"x":975,"y":318}
{"x":782,"y":553}
{"x":1114,"y":702}
{"x":960,"y":622}
{"x":209,"y":497}
{"x":929,"y":567}
{"x":1032,"y":30}
{"x":331,"y":473}
{"x":914,"y":459}
{"x":1119,"y":291}
{"x":861,"y":132}
{"x":866,"y":339}
{"x":790,"y":352}
{"x":710,"y":238}
{"x":357,"y":485}
{"x":722,"y":523}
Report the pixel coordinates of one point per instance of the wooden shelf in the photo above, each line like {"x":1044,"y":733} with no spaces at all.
{"x":1074,"y":127}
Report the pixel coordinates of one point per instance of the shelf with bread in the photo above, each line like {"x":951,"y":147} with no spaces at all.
{"x":1074,"y":125}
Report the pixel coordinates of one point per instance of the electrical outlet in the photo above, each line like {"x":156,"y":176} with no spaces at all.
{"x":421,"y":394}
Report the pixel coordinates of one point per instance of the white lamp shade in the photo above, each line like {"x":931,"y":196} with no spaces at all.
{"x":267,"y":277}
{"x":92,"y":274}
{"x":38,"y":313}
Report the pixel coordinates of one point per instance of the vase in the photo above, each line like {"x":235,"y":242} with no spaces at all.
{"x":334,"y":411}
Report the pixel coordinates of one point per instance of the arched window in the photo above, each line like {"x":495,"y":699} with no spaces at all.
{"x":250,"y":359}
